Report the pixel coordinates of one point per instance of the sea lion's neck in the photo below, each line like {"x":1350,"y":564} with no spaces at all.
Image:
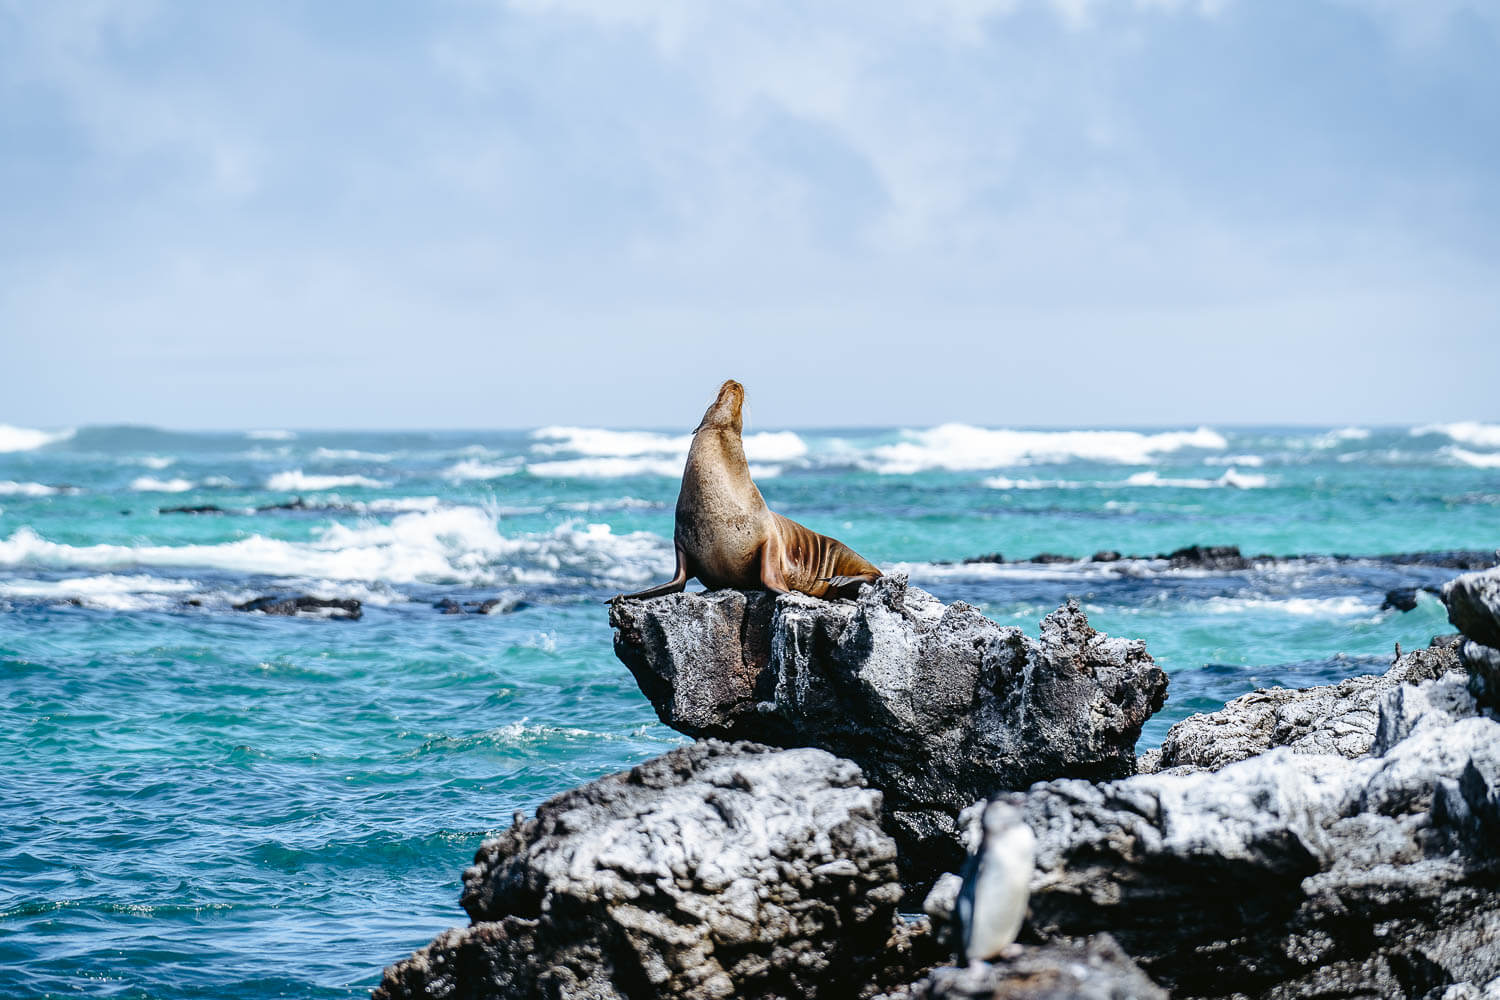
{"x":717,"y":475}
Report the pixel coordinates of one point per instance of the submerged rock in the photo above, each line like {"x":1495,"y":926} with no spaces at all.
{"x":345,"y":608}
{"x":1215,"y":557}
{"x":715,"y":870}
{"x":937,"y":704}
{"x":1400,"y":599}
{"x":1338,"y":718}
{"x":1293,"y":874}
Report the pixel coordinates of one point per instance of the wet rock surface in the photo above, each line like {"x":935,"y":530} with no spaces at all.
{"x":346,"y":608}
{"x":715,"y":870}
{"x":1292,"y":874}
{"x":937,"y":704}
{"x":1339,"y":718}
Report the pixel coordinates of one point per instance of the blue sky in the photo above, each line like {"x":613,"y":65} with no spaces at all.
{"x":1007,"y":212}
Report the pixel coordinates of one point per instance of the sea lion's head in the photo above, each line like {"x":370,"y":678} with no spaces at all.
{"x":725,"y":412}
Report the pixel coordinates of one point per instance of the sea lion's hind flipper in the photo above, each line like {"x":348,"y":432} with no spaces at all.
{"x":673,"y":586}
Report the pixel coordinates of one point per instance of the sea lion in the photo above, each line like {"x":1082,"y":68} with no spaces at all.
{"x":726,"y":536}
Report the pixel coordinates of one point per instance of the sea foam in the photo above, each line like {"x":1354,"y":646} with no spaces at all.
{"x":150,"y":484}
{"x":962,"y":447}
{"x":295,"y":480}
{"x":1478,"y":459}
{"x":450,"y":545}
{"x":1468,"y":432}
{"x":25,"y":439}
{"x":10,"y":488}
{"x":763,"y":446}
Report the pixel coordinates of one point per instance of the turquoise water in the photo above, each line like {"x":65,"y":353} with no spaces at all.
{"x":201,"y":802}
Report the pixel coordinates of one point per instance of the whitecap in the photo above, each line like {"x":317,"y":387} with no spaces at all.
{"x":448,"y":545}
{"x":1249,"y":461}
{"x":763,"y":446}
{"x":348,"y":455}
{"x":1334,"y":438}
{"x":960,"y":447}
{"x":606,"y":468}
{"x":1232,"y":478}
{"x":1478,"y":459}
{"x":271,"y":435}
{"x":470,"y":469}
{"x":150,"y":484}
{"x":10,"y":488}
{"x":1468,"y":432}
{"x":601,"y":441}
{"x":294,"y":480}
{"x":108,"y":592}
{"x":1329,"y":607}
{"x":25,"y":439}
{"x":157,"y":462}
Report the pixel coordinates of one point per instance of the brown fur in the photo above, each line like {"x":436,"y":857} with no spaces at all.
{"x":726,"y":536}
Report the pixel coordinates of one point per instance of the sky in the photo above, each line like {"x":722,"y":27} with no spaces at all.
{"x":1003,"y":212}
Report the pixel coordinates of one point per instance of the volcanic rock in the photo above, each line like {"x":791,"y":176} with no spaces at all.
{"x":345,"y":608}
{"x":1339,"y":718}
{"x":1093,"y":969}
{"x":937,"y":704}
{"x":715,"y":870}
{"x":1292,"y":874}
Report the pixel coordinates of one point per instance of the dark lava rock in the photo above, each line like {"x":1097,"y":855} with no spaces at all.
{"x":1292,"y":875}
{"x":1473,"y":602}
{"x":1092,"y":969}
{"x":345,"y":608}
{"x":1400,"y":599}
{"x":988,"y":557}
{"x":1213,"y":557}
{"x":1106,"y":555}
{"x":1337,"y":718}
{"x":937,"y":704}
{"x":715,"y":870}
{"x":1467,"y":559}
{"x":206,"y":508}
{"x":1051,"y":557}
{"x":449,"y":606}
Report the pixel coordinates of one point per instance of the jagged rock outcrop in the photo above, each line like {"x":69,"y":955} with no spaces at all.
{"x":1293,"y":874}
{"x":715,"y":870}
{"x":1473,"y":602}
{"x":937,"y":704}
{"x":1093,"y":969}
{"x":1338,"y":718}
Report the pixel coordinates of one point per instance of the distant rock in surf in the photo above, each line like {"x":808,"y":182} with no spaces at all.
{"x":1400,"y":599}
{"x":1216,"y":557}
{"x":938,"y":704}
{"x":206,"y":508}
{"x":344,"y":608}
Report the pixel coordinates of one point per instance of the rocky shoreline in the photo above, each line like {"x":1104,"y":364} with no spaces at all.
{"x":1336,"y":841}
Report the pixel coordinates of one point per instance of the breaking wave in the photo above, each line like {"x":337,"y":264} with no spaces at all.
{"x":295,"y":480}
{"x":25,"y":439}
{"x":962,"y":447}
{"x":1468,"y":432}
{"x":450,"y":545}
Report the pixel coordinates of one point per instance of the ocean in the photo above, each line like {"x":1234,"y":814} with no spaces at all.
{"x":205,"y":802}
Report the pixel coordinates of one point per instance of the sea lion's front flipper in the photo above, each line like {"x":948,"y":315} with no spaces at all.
{"x":673,"y":586}
{"x":772,"y":555}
